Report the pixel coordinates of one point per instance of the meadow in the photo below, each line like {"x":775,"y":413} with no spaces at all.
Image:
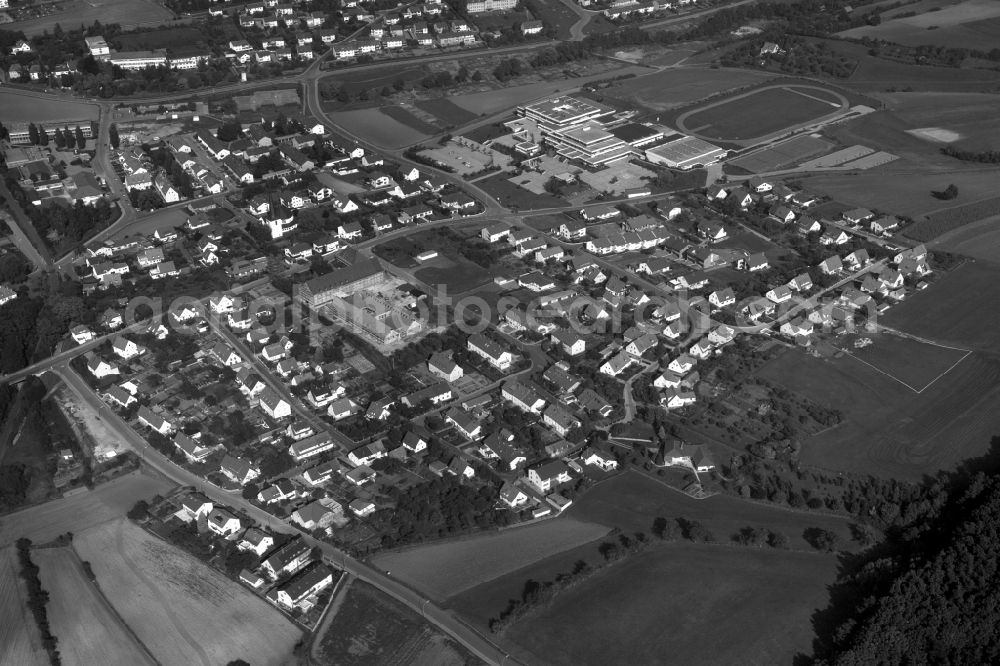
{"x":446,"y":568}
{"x":686,"y":604}
{"x":370,"y":627}
{"x":407,"y":118}
{"x":185,"y":612}
{"x":127,"y":13}
{"x":18,"y":107}
{"x":894,"y":355}
{"x":20,"y":642}
{"x":761,"y":112}
{"x":447,"y":111}
{"x":87,"y":628}
{"x":164,"y":38}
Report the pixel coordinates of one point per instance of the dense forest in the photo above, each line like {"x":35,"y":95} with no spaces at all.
{"x":929,"y":593}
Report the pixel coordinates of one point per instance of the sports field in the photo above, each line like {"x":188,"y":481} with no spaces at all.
{"x":444,"y":569}
{"x":161,"y":39}
{"x":84,"y":623}
{"x":671,"y":88}
{"x":888,"y":429}
{"x":186,"y":613}
{"x":684,"y":604}
{"x":378,"y":128}
{"x":17,"y":106}
{"x":973,"y":24}
{"x":762,"y":112}
{"x":127,"y":13}
{"x":784,"y":154}
{"x":20,"y":642}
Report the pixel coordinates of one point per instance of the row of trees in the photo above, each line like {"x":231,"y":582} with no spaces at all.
{"x":63,"y":138}
{"x":38,"y":599}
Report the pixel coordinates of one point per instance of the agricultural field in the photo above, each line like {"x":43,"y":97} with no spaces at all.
{"x":761,"y":112}
{"x":86,"y":626}
{"x":449,"y":113}
{"x":784,"y":154}
{"x":672,"y":88}
{"x":954,"y":219}
{"x":17,"y":107}
{"x":700,"y":604}
{"x":444,"y":569}
{"x":370,"y":627}
{"x":128,"y":13}
{"x":888,"y":429}
{"x":906,"y":193}
{"x":20,"y":642}
{"x":980,"y":240}
{"x":404,"y":116}
{"x":375,"y":80}
{"x":373,"y":126}
{"x":973,"y":24}
{"x":185,"y":612}
{"x":107,"y":502}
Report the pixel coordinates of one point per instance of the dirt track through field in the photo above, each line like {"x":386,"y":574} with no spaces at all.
{"x":155,"y":592}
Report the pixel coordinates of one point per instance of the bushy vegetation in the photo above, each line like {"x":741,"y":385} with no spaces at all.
{"x":37,"y":600}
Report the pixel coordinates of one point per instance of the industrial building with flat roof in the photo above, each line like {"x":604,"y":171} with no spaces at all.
{"x":561,"y":113}
{"x":680,"y":151}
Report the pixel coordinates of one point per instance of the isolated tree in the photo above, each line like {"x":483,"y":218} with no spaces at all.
{"x":777,"y":540}
{"x":821,"y":539}
{"x":113,"y":135}
{"x":139,"y":511}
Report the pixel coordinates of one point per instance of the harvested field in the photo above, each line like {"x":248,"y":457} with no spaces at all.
{"x":973,"y":24}
{"x":185,"y":612}
{"x":699,"y":604}
{"x":128,"y":13}
{"x":371,"y":627}
{"x":448,"y":112}
{"x":907,"y":193}
{"x":109,"y":501}
{"x":762,"y":112}
{"x":784,"y":154}
{"x":888,"y":430}
{"x":15,"y":106}
{"x":87,"y":628}
{"x":444,"y":569}
{"x":377,"y":128}
{"x":20,"y":642}
{"x":671,"y":88}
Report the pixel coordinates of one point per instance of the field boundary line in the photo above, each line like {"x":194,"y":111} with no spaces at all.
{"x":880,"y":370}
{"x":950,"y":368}
{"x":812,"y":97}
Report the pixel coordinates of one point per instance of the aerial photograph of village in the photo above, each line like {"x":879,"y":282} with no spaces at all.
{"x":529,"y":332}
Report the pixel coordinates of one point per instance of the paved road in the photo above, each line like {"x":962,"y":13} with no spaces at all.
{"x":443,"y":620}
